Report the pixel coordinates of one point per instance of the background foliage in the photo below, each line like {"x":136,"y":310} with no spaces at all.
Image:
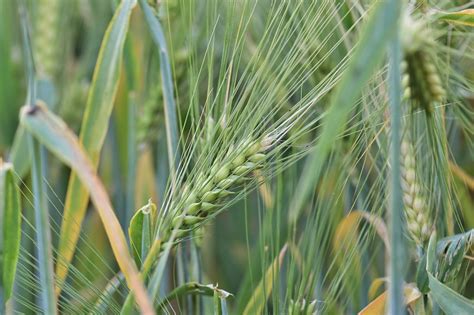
{"x":240,"y":156}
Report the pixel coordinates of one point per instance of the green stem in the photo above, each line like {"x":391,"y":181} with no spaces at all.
{"x":396,"y":262}
{"x":131,"y":159}
{"x":2,"y":301}
{"x":105,"y":298}
{"x":43,"y":233}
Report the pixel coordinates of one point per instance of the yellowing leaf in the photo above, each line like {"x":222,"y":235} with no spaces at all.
{"x":265,"y":286}
{"x":377,"y":306}
{"x":348,"y":226}
{"x":53,"y":133}
{"x":375,"y":286}
{"x":93,"y":130}
{"x":464,"y":17}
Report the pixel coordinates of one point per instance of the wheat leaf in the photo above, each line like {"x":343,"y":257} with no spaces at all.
{"x":167,"y":82}
{"x":262,"y":292}
{"x":51,"y":131}
{"x":10,"y":229}
{"x":94,"y":128}
{"x":411,"y":296}
{"x":140,"y":229}
{"x":463,"y":17}
{"x":450,"y":301}
{"x":377,"y":33}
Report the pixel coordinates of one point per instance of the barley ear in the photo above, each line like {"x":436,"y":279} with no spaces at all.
{"x":420,"y":76}
{"x":416,"y":209}
{"x":206,"y":193}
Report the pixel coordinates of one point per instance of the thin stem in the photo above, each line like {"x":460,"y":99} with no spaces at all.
{"x":2,"y":301}
{"x":131,"y":159}
{"x":396,"y":260}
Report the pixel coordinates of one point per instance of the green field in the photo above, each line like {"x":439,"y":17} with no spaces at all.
{"x":237,"y":157}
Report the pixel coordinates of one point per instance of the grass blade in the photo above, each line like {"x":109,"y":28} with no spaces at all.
{"x":54,"y":134}
{"x":7,"y":86}
{"x":367,"y":56}
{"x":262,"y":292}
{"x":167,"y":82}
{"x":105,"y":298}
{"x":396,"y":267}
{"x":94,"y":128}
{"x":10,"y":227}
{"x":43,"y":232}
{"x":450,"y":301}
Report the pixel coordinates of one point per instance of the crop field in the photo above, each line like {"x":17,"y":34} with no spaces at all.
{"x":290,"y":157}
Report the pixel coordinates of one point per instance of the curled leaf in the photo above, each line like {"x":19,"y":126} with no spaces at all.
{"x":377,"y":307}
{"x":140,"y":231}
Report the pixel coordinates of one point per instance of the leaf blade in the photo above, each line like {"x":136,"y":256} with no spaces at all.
{"x":369,"y":52}
{"x":10,"y":212}
{"x":171,"y":123}
{"x":53,"y":133}
{"x":94,"y":128}
{"x":449,"y":300}
{"x":259,"y":297}
{"x":463,"y":17}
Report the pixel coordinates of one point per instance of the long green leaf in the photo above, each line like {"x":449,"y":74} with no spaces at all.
{"x":53,"y":133}
{"x":94,"y":128}
{"x":265,"y":286}
{"x":396,"y":266}
{"x":167,"y":82}
{"x":100,"y":307}
{"x":43,"y":229}
{"x":7,"y":85}
{"x":450,"y":301}
{"x":10,"y":227}
{"x":367,"y":56}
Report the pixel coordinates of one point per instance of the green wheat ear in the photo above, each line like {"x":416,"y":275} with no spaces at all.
{"x":149,"y":120}
{"x":421,"y":81}
{"x":46,"y":33}
{"x":206,"y":193}
{"x":416,"y":209}
{"x":302,"y":307}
